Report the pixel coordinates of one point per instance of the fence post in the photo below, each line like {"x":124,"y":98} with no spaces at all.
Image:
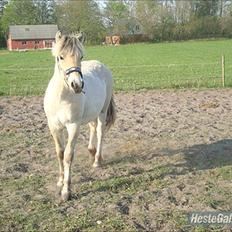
{"x":223,"y":71}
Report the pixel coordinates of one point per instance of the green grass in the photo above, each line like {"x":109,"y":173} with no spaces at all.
{"x":134,"y":66}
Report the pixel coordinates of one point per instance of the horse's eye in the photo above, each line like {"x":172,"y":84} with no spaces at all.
{"x":61,"y":57}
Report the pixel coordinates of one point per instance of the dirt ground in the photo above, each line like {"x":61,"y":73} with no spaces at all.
{"x":169,"y":153}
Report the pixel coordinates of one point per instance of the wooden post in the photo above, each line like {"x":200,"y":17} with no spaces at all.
{"x":223,"y":71}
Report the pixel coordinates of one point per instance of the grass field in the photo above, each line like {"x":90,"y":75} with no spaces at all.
{"x":137,"y":66}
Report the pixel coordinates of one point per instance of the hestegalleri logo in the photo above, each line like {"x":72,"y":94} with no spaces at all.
{"x":210,"y":218}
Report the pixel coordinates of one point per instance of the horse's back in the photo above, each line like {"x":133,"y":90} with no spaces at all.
{"x":96,"y":68}
{"x":98,"y":87}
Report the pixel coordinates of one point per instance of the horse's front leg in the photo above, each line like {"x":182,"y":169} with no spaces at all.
{"x":57,"y":135}
{"x":73,"y":130}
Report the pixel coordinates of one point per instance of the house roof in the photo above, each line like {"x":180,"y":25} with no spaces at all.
{"x":47,"y":31}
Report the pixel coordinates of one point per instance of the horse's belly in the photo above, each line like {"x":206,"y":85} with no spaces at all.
{"x":91,"y":111}
{"x":95,"y":100}
{"x":90,"y":115}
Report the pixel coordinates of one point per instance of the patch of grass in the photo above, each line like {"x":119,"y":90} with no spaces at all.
{"x":116,"y":224}
{"x":9,"y":139}
{"x":225,"y":173}
{"x":134,"y":66}
{"x":32,"y":181}
{"x":130,"y":183}
{"x":216,"y":195}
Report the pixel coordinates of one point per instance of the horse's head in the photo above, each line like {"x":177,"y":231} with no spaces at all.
{"x":68,"y":51}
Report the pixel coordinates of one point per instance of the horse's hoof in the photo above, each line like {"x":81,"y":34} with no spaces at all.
{"x":96,"y":165}
{"x":65,"y":196}
{"x":59,"y":187}
{"x":59,"y":184}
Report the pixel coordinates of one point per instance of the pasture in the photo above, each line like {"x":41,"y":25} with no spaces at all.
{"x":139,"y":66}
{"x":168,"y":154}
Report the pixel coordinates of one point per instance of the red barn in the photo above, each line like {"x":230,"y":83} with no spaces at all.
{"x":23,"y":37}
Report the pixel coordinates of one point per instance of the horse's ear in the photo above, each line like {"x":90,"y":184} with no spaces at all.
{"x":58,"y":36}
{"x":81,"y":37}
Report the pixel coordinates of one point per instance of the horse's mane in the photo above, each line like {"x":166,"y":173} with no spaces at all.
{"x":68,"y":44}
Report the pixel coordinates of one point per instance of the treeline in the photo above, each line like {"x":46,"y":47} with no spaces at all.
{"x":158,"y":20}
{"x":181,"y":20}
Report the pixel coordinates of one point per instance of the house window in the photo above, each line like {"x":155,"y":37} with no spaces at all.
{"x":37,"y":42}
{"x":48,"y":44}
{"x":24,"y":42}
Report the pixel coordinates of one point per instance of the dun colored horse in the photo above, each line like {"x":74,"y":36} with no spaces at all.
{"x":78,"y":93}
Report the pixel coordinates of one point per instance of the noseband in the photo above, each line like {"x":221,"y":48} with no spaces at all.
{"x":78,"y":70}
{"x":71,"y":70}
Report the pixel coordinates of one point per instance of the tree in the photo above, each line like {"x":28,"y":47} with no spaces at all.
{"x":182,"y":11}
{"x":74,"y":16}
{"x":156,"y":17}
{"x":45,"y":11}
{"x":146,"y":14}
{"x":117,"y":16}
{"x":2,"y":34}
{"x":226,"y":18}
{"x":2,"y":5}
{"x":201,"y":8}
{"x":19,"y":13}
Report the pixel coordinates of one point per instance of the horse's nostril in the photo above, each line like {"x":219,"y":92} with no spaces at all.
{"x":75,"y":87}
{"x":72,"y":85}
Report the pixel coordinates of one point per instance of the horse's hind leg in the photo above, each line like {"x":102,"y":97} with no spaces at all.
{"x":100,"y":131}
{"x":91,"y":146}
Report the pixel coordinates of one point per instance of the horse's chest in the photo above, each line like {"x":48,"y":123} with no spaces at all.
{"x":61,"y":113}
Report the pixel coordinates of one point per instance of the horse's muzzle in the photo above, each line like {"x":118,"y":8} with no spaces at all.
{"x":76,"y":87}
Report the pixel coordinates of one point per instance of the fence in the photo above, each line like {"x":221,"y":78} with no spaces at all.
{"x":33,"y":81}
{"x":179,"y":75}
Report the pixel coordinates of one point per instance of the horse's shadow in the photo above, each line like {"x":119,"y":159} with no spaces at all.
{"x":196,"y":157}
{"x":206,"y":156}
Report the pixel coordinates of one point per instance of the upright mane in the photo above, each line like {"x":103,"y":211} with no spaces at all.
{"x":68,"y":44}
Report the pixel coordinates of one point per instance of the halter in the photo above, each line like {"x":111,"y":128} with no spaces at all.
{"x":78,"y":70}
{"x":71,"y":70}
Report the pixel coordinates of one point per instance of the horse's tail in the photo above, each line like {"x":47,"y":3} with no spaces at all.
{"x":111,"y":114}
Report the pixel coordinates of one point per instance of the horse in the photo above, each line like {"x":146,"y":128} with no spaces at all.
{"x":79,"y":92}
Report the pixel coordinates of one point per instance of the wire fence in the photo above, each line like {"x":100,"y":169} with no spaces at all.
{"x":33,"y":81}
